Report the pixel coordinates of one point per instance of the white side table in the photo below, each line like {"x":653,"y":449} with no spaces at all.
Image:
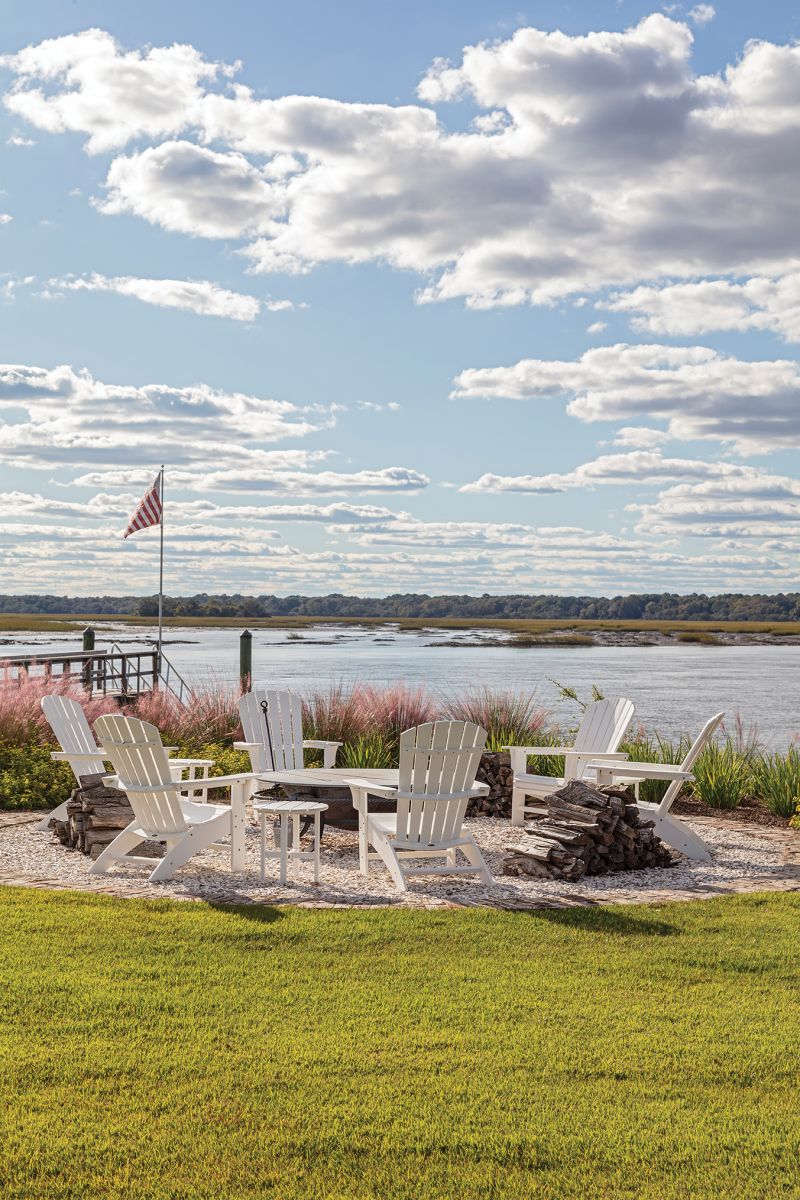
{"x":286,"y":809}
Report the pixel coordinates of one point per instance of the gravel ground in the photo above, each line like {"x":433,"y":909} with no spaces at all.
{"x":738,"y":858}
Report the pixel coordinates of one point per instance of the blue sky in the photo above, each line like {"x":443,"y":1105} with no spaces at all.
{"x":437,"y":297}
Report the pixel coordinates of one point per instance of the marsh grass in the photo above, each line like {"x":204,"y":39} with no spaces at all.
{"x":776,"y":781}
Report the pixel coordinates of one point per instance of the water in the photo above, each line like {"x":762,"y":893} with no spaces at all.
{"x":675,"y":688}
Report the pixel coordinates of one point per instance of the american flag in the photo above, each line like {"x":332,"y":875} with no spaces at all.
{"x":149,"y":511}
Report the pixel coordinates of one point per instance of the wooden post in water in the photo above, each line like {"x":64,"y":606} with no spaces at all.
{"x":246,"y":660}
{"x":88,"y":648}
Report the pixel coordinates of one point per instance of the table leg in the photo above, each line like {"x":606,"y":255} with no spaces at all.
{"x":296,"y":836}
{"x":263,"y":823}
{"x":238,"y":823}
{"x":316,"y":847}
{"x":284,"y":845}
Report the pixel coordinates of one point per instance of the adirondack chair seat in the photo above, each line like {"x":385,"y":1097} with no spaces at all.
{"x":436,"y":779}
{"x":161,"y":812}
{"x":602,"y":728}
{"x":670,"y":829}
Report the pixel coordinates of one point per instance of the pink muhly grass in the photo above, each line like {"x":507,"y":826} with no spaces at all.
{"x":509,"y":717}
{"x":22,"y":722}
{"x":210,"y":715}
{"x":393,"y":709}
{"x":333,"y":714}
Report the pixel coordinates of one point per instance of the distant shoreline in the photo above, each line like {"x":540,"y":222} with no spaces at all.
{"x":523,"y":634}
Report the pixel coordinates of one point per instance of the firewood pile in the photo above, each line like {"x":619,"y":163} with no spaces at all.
{"x":494,"y":769}
{"x":587,"y":831}
{"x":95,"y":815}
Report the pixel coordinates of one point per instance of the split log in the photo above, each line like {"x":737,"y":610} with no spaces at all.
{"x":587,"y":831}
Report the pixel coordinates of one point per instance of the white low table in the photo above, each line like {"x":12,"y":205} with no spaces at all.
{"x":286,"y":810}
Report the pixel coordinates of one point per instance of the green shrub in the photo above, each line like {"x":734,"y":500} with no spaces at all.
{"x":776,"y":781}
{"x":30,"y":780}
{"x":722,"y":776}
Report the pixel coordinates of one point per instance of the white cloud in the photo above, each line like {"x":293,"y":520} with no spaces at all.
{"x":755,"y":406}
{"x":686,"y":309}
{"x":596,"y":160}
{"x":640,"y":437}
{"x":70,"y":418}
{"x":198,"y":296}
{"x":701,"y":14}
{"x":752,"y":505}
{"x":596,"y":327}
{"x":16,"y":139}
{"x":644,"y":467}
{"x":5,"y":218}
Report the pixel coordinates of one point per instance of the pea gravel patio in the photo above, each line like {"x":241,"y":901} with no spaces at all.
{"x":747,"y":858}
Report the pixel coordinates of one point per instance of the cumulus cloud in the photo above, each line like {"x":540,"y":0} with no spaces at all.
{"x":16,"y":139}
{"x":753,"y":504}
{"x":687,"y":309}
{"x":640,"y":437}
{"x":595,"y":160}
{"x":755,"y":406}
{"x":69,"y":417}
{"x":198,"y":296}
{"x":701,"y":14}
{"x":5,"y":218}
{"x":647,"y":467}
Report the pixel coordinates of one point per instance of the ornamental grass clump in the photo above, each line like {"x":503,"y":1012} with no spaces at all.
{"x":22,"y":722}
{"x":722,"y":775}
{"x":210,"y":715}
{"x":647,"y":747}
{"x":511,"y":718}
{"x":776,"y":782}
{"x":393,"y":709}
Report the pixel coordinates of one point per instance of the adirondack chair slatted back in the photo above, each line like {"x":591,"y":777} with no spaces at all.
{"x":275,"y":719}
{"x":697,"y":746}
{"x":68,"y":722}
{"x":604,"y":725}
{"x":436,"y":760}
{"x":139,"y":759}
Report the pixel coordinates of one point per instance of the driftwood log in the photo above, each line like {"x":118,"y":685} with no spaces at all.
{"x":587,"y":831}
{"x":95,"y":815}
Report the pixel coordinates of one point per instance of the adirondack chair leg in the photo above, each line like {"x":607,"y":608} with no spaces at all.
{"x":677,"y":834}
{"x":121,"y":846}
{"x":389,"y":856}
{"x":198,"y":837}
{"x":517,"y":807}
{"x":58,"y":814}
{"x":476,"y":859}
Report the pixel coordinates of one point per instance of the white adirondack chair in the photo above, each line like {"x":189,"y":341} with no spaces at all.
{"x":161,"y":813}
{"x":272,"y":723}
{"x":438,"y":762}
{"x":79,"y":748}
{"x":670,"y":829}
{"x":603,"y":727}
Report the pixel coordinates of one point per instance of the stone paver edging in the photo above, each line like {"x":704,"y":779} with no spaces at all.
{"x":788,"y":881}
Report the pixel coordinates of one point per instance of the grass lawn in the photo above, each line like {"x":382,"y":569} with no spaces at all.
{"x":160,"y":1050}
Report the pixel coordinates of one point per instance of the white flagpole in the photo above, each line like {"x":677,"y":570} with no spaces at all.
{"x":161,"y":570}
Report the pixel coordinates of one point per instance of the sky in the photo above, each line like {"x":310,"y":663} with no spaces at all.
{"x":437,"y":296}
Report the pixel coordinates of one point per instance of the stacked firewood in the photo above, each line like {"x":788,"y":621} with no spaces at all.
{"x":494,"y":769}
{"x":587,"y":831}
{"x":95,"y":815}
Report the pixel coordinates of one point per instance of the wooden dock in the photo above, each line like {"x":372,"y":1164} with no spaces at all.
{"x":122,"y":673}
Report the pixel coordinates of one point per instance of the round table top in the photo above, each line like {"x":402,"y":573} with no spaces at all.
{"x":298,"y":808}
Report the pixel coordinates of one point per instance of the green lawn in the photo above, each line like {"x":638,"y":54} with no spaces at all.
{"x":158,"y":1050}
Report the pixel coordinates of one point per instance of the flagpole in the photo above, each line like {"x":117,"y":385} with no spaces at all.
{"x":161,"y":571}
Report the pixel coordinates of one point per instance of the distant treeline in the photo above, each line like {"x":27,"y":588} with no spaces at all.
{"x":660,"y":606}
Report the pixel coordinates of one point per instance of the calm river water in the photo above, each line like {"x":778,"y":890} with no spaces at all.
{"x":675,"y":688}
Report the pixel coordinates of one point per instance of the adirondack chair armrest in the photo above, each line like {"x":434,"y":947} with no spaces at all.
{"x":608,"y":755}
{"x":150,"y":789}
{"x":529,"y":751}
{"x":67,"y":755}
{"x":248,"y":746}
{"x":315,"y":744}
{"x":371,"y":788}
{"x":192,"y":762}
{"x":643,"y":770}
{"x":215,"y":781}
